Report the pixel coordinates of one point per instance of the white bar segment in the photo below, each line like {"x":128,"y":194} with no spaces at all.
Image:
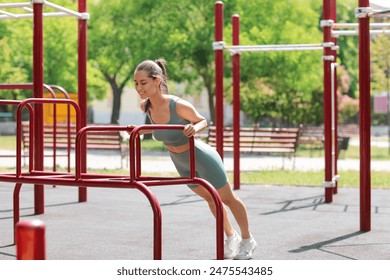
{"x":20,"y":16}
{"x":62,"y":9}
{"x":380,"y":12}
{"x":336,"y":33}
{"x":266,"y":48}
{"x":356,"y":25}
{"x":15,"y":5}
{"x":7,"y":14}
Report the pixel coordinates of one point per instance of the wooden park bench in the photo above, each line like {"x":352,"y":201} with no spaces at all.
{"x":64,"y":137}
{"x":259,"y":140}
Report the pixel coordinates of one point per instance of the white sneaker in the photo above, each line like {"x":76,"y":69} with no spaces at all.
{"x":232,"y":244}
{"x":247,"y":247}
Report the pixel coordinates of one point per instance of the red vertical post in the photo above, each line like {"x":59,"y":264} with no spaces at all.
{"x":236,"y":101}
{"x":333,"y":16}
{"x":30,"y":240}
{"x":38,"y":79}
{"x":218,"y":56}
{"x":365,"y":119}
{"x":82,"y":86}
{"x":327,"y":104}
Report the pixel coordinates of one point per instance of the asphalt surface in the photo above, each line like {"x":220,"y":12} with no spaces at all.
{"x":289,"y":223}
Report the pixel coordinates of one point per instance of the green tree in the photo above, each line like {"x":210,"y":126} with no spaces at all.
{"x":112,"y":36}
{"x":281,"y":84}
{"x":380,"y":59}
{"x":123,"y":33}
{"x":60,"y":53}
{"x":348,"y":55}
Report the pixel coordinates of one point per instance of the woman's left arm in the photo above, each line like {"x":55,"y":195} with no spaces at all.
{"x":188,"y":112}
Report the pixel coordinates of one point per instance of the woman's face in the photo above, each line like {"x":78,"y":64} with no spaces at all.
{"x":145,"y":85}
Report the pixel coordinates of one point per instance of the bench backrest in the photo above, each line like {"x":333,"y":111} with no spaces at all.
{"x":259,"y":140}
{"x":63,"y":137}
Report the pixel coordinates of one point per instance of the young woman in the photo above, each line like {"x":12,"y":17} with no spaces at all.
{"x":150,"y":79}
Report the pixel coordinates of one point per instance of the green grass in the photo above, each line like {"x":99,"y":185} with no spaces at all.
{"x":275,"y":177}
{"x":7,"y":142}
{"x":379,"y":180}
{"x":353,"y":152}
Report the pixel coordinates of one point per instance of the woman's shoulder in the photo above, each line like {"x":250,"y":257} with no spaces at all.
{"x":178,"y":100}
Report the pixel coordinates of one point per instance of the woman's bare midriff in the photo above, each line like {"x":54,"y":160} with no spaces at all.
{"x":178,"y":149}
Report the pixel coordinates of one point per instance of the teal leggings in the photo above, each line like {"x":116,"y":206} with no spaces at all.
{"x":209,"y":165}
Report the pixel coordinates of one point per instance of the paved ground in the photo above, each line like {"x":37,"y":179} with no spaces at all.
{"x":289,"y":223}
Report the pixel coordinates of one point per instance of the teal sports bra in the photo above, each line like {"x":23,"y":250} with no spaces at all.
{"x":171,"y":137}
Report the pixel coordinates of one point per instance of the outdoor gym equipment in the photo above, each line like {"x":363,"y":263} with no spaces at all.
{"x":364,"y":12}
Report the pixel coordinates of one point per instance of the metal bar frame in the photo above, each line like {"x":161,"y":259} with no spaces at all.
{"x":82,"y":179}
{"x":236,"y":100}
{"x":219,"y":73}
{"x":337,"y":33}
{"x":268,"y":48}
{"x":63,"y":12}
{"x":365,"y":119}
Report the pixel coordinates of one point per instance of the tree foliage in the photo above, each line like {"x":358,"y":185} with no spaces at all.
{"x":60,"y":53}
{"x":276,"y":87}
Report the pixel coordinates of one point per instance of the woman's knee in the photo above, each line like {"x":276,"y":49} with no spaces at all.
{"x":227,"y":195}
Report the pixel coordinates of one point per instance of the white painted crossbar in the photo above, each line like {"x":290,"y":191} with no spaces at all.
{"x":336,"y":33}
{"x":268,"y":48}
{"x":60,"y":11}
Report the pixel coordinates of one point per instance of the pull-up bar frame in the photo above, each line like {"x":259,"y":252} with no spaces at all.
{"x":328,"y":47}
{"x":37,"y":6}
{"x":63,"y":12}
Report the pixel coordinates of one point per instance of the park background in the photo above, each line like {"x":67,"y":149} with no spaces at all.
{"x":277,"y":89}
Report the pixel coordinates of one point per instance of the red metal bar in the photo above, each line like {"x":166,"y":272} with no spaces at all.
{"x":81,"y":152}
{"x":55,"y":179}
{"x":365,"y":120}
{"x":116,"y":181}
{"x":30,"y":240}
{"x":157,"y":219}
{"x":50,"y":89}
{"x":38,"y":79}
{"x":219,"y":216}
{"x":138,"y":155}
{"x":236,"y":101}
{"x":333,"y":16}
{"x":27,"y":86}
{"x":19,"y":136}
{"x":218,"y":55}
{"x":33,"y":134}
{"x":82,"y":80}
{"x":327,"y":104}
{"x":16,"y":206}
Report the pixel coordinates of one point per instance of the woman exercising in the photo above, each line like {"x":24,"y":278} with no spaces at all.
{"x":150,"y":79}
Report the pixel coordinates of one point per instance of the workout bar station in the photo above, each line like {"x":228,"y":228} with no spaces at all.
{"x":329,"y":48}
{"x":38,"y":176}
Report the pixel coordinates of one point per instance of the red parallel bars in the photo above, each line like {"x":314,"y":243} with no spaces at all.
{"x":134,"y":145}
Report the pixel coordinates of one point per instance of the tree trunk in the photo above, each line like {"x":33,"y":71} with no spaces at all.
{"x":211,"y":105}
{"x":116,"y":105}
